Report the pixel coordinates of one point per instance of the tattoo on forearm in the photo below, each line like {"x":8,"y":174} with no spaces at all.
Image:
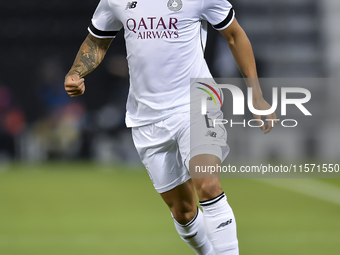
{"x":90,"y":55}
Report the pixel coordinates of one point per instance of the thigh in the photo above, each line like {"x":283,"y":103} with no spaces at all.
{"x":196,"y":138}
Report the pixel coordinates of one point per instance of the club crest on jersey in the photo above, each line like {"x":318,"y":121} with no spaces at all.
{"x":175,"y":5}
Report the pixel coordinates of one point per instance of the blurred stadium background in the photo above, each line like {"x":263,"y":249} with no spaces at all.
{"x":70,"y":179}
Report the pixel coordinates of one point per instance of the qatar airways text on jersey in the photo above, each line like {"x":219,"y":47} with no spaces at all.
{"x":153,"y":27}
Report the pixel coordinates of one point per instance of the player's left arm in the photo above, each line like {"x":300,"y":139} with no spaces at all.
{"x":242,"y":51}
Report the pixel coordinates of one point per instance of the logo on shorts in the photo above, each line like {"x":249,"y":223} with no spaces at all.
{"x":211,"y":133}
{"x":175,"y":5}
{"x":209,"y":93}
{"x":224,"y":224}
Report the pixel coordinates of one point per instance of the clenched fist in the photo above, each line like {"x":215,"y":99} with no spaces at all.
{"x":74,"y":85}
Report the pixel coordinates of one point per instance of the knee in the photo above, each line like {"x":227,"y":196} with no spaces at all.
{"x":183,"y":212}
{"x":208,"y":189}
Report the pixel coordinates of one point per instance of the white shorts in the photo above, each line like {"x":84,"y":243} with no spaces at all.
{"x":165,"y":147}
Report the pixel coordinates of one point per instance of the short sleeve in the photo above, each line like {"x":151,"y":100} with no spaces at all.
{"x":219,"y":13}
{"x":104,"y":24}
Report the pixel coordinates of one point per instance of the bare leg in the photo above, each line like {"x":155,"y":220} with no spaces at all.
{"x":182,"y":202}
{"x":208,"y":186}
{"x":219,"y":218}
{"x":188,"y":218}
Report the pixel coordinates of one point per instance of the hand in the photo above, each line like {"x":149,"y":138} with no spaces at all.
{"x":74,"y":85}
{"x":261,"y":104}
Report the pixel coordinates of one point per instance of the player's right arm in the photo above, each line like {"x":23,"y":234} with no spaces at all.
{"x":90,"y":55}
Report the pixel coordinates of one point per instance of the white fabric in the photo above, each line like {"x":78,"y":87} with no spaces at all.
{"x":164,"y":50}
{"x":165,"y":150}
{"x":220,"y":227}
{"x":194,"y":235}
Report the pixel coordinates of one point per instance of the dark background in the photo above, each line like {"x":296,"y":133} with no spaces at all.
{"x":39,"y":41}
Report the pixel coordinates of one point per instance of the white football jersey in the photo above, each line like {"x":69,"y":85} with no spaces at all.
{"x":165,"y":41}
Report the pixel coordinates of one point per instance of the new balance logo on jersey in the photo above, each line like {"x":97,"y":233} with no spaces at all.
{"x":131,"y":5}
{"x":224,"y":224}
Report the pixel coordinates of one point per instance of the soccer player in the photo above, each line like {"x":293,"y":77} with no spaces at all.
{"x":165,"y":42}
